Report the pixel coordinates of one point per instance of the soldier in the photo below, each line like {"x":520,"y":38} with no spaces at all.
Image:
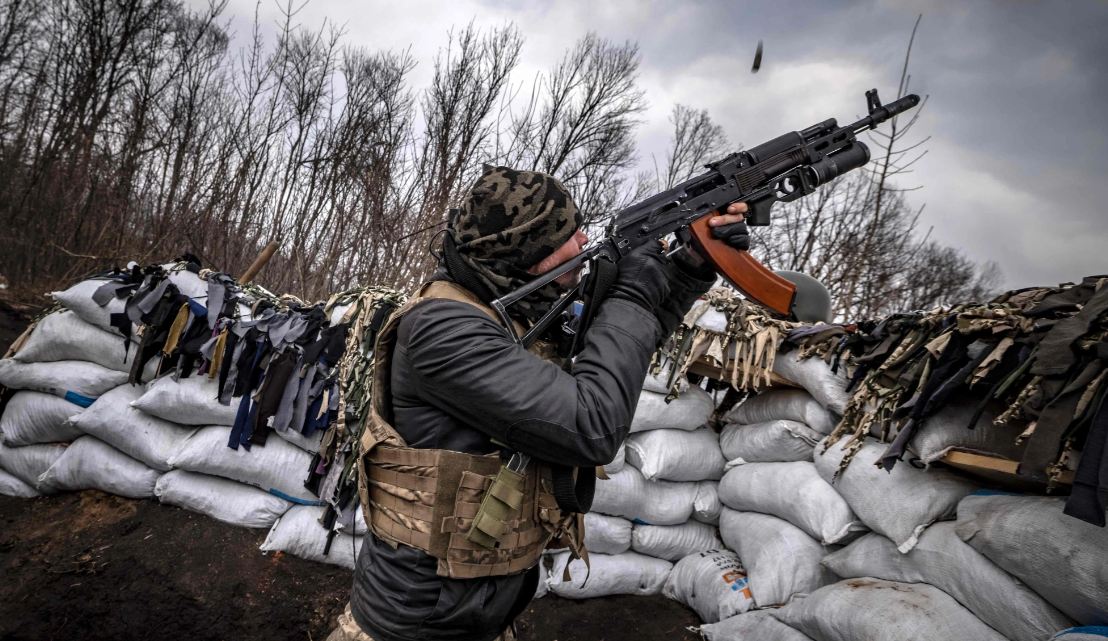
{"x":452,"y":553}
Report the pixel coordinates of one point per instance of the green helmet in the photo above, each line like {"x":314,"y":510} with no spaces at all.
{"x":813,"y":301}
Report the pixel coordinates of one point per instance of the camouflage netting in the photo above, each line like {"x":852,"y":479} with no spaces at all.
{"x":1039,"y":351}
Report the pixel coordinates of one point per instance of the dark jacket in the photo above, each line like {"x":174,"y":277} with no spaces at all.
{"x":457,"y":380}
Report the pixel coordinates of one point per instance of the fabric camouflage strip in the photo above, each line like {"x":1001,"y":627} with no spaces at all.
{"x":510,"y":221}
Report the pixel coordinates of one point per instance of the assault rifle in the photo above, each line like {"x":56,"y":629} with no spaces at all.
{"x":781,"y":170}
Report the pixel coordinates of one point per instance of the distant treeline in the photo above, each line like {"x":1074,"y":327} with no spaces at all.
{"x":134,"y":130}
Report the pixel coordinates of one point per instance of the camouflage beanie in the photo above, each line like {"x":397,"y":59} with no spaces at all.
{"x":510,"y":221}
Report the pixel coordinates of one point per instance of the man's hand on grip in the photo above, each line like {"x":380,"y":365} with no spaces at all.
{"x":730,"y":227}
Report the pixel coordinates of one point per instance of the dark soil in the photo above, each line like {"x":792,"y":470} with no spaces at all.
{"x":91,"y":565}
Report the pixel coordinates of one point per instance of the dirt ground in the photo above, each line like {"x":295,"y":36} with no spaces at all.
{"x":90,"y":565}
{"x":94,"y":566}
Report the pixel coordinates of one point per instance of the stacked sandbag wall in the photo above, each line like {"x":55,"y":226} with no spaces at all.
{"x":79,"y":414}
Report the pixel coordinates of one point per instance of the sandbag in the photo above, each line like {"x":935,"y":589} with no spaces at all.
{"x":712,"y":319}
{"x":816,"y":377}
{"x":752,"y":626}
{"x":188,"y":401}
{"x":607,"y":534}
{"x":688,"y":411}
{"x":943,"y":560}
{"x":899,"y":504}
{"x":76,"y":381}
{"x":657,"y":383}
{"x":791,"y":491}
{"x":780,"y":559}
{"x":223,"y":500}
{"x":674,"y":542}
{"x":278,"y":467}
{"x":14,"y":487}
{"x":618,"y":462}
{"x":627,"y":573}
{"x":948,"y":430}
{"x":627,"y":494}
{"x":63,"y":336}
{"x":29,"y":462}
{"x":299,"y":533}
{"x":677,"y":455}
{"x":712,"y":583}
{"x":873,"y":609}
{"x":706,"y":505}
{"x":78,"y":299}
{"x":91,"y":464}
{"x":143,"y":437}
{"x":788,"y":404}
{"x":1060,"y":557}
{"x":1089,"y":633}
{"x":780,"y":440}
{"x":34,"y":417}
{"x":309,"y":444}
{"x":187,"y":283}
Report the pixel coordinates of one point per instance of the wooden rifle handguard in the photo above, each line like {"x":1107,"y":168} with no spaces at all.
{"x":739,"y":268}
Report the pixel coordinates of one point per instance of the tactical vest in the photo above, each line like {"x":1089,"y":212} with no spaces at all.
{"x":430,"y":499}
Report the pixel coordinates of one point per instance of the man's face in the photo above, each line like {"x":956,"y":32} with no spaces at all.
{"x":574,"y":246}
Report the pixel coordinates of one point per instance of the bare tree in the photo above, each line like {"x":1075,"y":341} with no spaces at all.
{"x":696,"y":141}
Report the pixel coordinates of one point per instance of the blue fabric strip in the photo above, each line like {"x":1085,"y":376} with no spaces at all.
{"x":1092,"y":630}
{"x":293,"y":498}
{"x":79,"y":399}
{"x":995,"y":493}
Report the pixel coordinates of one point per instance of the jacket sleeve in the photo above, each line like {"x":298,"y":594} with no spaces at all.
{"x":465,"y":364}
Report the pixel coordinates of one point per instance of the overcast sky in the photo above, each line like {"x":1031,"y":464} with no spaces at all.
{"x":1015,"y":170}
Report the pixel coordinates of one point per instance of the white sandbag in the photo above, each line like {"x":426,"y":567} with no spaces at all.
{"x":78,"y":299}
{"x":712,"y":583}
{"x":789,"y":404}
{"x":223,"y":500}
{"x":948,"y":430}
{"x":780,"y":559}
{"x":76,"y":381}
{"x":137,"y":434}
{"x":618,"y":462}
{"x":628,"y":494}
{"x":816,"y":377}
{"x":607,"y":534}
{"x":873,"y":609}
{"x":943,"y":560}
{"x":713,"y":320}
{"x":688,"y":411}
{"x":34,"y":417}
{"x":309,"y":444}
{"x":677,"y":455}
{"x":187,"y":283}
{"x":791,"y":491}
{"x":91,"y":464}
{"x":278,"y":467}
{"x":29,"y":462}
{"x":780,"y":440}
{"x":657,"y":383}
{"x":752,"y":626}
{"x":706,"y":505}
{"x":63,"y":336}
{"x":188,"y":401}
{"x":299,"y":533}
{"x":14,"y":487}
{"x":1090,"y":633}
{"x":1058,"y":556}
{"x":674,"y":542}
{"x":627,"y":573}
{"x":899,"y":504}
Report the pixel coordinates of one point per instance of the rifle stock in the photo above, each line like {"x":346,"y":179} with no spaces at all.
{"x":742,"y":270}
